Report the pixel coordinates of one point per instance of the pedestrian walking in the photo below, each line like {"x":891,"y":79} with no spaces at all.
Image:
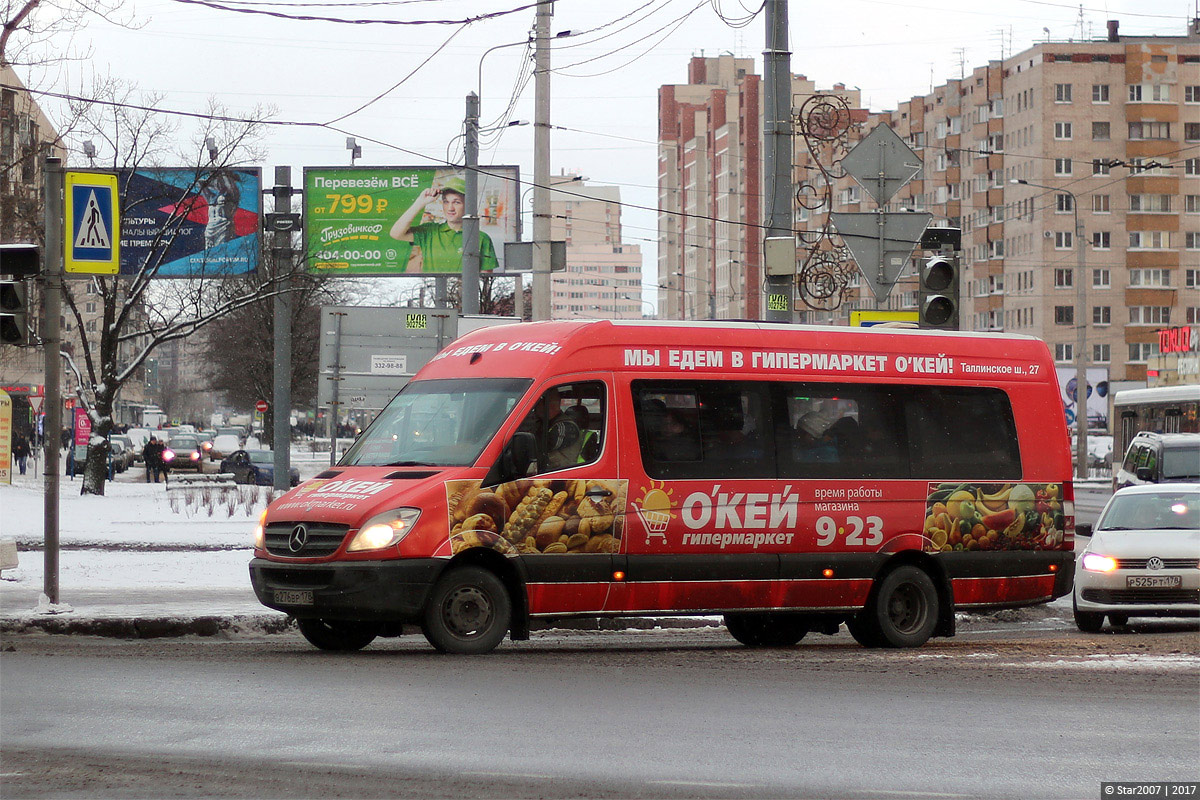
{"x":20,"y":452}
{"x":152,"y":454}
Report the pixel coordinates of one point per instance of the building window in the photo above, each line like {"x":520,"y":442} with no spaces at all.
{"x":1149,"y":315}
{"x":1152,"y":276}
{"x":1191,"y":203}
{"x":1062,"y":130}
{"x":1064,"y":204}
{"x":1101,"y":315}
{"x":1149,"y":130}
{"x":1062,"y":92}
{"x":1101,"y":353}
{"x":1062,"y":166}
{"x":1101,"y":278}
{"x":1191,"y":94}
{"x":1191,"y":131}
{"x":1149,"y":240}
{"x":1101,"y":240}
{"x":1100,"y":166}
{"x":1062,"y":240}
{"x":1064,"y":315}
{"x":1140,"y":352}
{"x":1064,"y":278}
{"x":1149,"y":93}
{"x":1191,"y":166}
{"x":1101,"y":131}
{"x":1150,"y":203}
{"x":1100,"y":93}
{"x":1191,"y":240}
{"x":1191,"y":278}
{"x":1064,"y":352}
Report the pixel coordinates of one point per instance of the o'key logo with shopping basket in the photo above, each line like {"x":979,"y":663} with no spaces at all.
{"x":654,"y":510}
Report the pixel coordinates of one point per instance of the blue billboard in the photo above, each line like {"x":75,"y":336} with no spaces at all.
{"x":190,"y":222}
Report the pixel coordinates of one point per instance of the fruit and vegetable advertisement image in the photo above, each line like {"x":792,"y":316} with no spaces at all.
{"x":994,"y":516}
{"x":535,"y":517}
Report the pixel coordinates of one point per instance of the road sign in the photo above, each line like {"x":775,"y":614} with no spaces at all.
{"x":261,"y":406}
{"x":92,"y":224}
{"x":881,"y":243}
{"x":882,"y":163}
{"x":867,"y":319}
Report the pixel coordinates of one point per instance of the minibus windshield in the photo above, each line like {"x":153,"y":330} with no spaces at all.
{"x":443,"y":423}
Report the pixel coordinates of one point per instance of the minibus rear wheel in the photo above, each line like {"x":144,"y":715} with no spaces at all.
{"x":468,"y":611}
{"x":766,"y":630}
{"x":903,"y":610}
{"x":339,"y":635}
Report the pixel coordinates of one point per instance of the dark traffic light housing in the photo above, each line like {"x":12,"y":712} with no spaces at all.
{"x":20,"y":260}
{"x":938,"y":293}
{"x":14,"y":312}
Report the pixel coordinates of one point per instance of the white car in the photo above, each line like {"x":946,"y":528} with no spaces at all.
{"x":223,"y":445}
{"x":1143,"y":559}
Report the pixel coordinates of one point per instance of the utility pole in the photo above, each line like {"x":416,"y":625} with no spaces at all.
{"x":541,"y":162}
{"x":52,"y":350}
{"x":470,"y":227}
{"x":281,"y":250}
{"x":777,"y":167}
{"x":1081,"y":412}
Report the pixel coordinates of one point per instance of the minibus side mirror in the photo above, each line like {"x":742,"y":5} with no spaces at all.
{"x":1145,"y":474}
{"x":514,"y":460}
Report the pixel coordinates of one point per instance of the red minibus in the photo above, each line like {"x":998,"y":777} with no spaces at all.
{"x":790,"y":478}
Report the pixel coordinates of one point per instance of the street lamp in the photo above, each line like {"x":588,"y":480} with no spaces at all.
{"x":1081,"y":415}
{"x":712,"y":295}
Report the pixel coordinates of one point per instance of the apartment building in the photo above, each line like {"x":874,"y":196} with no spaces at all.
{"x":1099,"y":136}
{"x":710,"y":188}
{"x":603,"y":277}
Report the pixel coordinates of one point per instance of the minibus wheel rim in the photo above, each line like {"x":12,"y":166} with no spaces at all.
{"x":467,"y":611}
{"x":907,"y":608}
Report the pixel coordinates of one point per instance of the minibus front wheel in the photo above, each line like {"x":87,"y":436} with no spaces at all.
{"x":337,"y":635}
{"x":468,"y":611}
{"x":766,"y":630}
{"x":901,"y":611}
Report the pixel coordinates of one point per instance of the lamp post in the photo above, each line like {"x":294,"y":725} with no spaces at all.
{"x":1081,"y":415}
{"x":712,"y":295}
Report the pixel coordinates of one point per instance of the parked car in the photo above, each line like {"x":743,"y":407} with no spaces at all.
{"x":224,"y":445}
{"x":1143,"y":559}
{"x":186,"y":453}
{"x":120,"y":455}
{"x":1160,"y":458}
{"x":255,"y":467}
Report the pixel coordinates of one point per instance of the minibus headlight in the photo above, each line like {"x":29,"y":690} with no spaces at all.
{"x":384,"y":530}
{"x":1094,"y":562}
{"x":260,"y":535}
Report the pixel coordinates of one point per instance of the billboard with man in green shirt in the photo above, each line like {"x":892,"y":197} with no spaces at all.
{"x":382,"y":221}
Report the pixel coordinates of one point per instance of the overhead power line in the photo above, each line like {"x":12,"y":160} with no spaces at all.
{"x":227,"y":6}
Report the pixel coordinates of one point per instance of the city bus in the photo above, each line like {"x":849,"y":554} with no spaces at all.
{"x":1160,"y":409}
{"x":790,"y":479}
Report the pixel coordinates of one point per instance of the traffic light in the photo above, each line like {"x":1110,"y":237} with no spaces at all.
{"x":14,"y":312}
{"x":20,"y":260}
{"x":938,"y":294}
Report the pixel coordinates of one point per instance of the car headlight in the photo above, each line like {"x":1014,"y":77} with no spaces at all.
{"x":260,"y":531}
{"x":1094,"y":562}
{"x":384,"y":530}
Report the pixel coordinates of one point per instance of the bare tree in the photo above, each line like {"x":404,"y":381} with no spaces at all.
{"x":29,"y":26}
{"x":138,"y":312}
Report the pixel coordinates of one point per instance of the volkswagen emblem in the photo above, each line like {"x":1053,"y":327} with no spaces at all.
{"x":1154,"y":562}
{"x":298,"y":538}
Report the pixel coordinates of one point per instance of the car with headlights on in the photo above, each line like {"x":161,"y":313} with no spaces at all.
{"x":1143,"y":559}
{"x":256,"y":467}
{"x":186,"y":453}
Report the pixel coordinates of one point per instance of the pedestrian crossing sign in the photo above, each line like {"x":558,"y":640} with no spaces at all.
{"x":92,"y":224}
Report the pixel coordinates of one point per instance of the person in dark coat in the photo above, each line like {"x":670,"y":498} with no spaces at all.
{"x":152,"y":454}
{"x":20,"y":452}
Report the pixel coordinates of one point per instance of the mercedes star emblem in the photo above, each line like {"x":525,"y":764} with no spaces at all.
{"x":298,"y":538}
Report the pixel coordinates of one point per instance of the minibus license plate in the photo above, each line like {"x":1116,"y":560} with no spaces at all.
{"x":1154,"y":581}
{"x":294,"y":597}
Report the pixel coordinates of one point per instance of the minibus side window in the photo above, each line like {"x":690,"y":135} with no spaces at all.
{"x":706,"y":430}
{"x":841,"y":431}
{"x":962,"y":432}
{"x":568,"y":423}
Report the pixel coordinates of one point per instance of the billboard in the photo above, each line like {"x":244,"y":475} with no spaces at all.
{"x":195,"y":222}
{"x":1097,"y":396}
{"x":388,"y":221}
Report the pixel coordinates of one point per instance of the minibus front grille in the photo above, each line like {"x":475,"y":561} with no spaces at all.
{"x":316,"y":540}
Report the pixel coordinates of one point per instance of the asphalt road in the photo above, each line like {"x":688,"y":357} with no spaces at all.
{"x":1003,"y":710}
